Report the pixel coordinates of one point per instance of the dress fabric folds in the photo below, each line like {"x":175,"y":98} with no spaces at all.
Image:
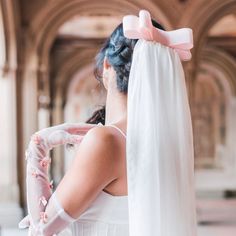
{"x":107,"y":216}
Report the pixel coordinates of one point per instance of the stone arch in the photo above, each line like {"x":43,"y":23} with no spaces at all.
{"x":62,"y":12}
{"x":223,"y":62}
{"x":208,"y":14}
{"x":41,"y":35}
{"x":73,"y":63}
{"x":79,"y":60}
{"x":209,"y":117}
{"x":70,"y":65}
{"x":221,"y":68}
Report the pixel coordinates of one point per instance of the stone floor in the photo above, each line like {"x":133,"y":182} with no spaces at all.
{"x":207,"y":230}
{"x":221,"y":230}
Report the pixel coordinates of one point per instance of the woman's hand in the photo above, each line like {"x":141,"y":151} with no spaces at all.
{"x":72,"y":128}
{"x":67,"y":133}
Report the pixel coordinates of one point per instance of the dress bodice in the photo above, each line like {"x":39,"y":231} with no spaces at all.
{"x":106,"y":216}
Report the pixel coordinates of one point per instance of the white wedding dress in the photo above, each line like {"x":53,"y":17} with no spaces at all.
{"x":106,"y":216}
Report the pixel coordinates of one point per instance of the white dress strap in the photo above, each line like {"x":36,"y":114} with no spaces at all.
{"x":117,"y":129}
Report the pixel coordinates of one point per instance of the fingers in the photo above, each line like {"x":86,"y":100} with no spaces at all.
{"x":30,"y":232}
{"x":74,"y":139}
{"x":57,"y":138}
{"x":61,"y":137}
{"x":24,"y":223}
{"x":79,"y":129}
{"x":58,"y":135}
{"x":72,"y":128}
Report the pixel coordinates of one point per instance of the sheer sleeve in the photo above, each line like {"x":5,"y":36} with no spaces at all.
{"x":56,"y":218}
{"x":46,"y":215}
{"x":44,"y":209}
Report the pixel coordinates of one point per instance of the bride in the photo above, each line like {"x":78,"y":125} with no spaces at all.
{"x":133,"y":171}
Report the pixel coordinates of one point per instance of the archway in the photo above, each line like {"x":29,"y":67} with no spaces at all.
{"x":217,"y":75}
{"x":208,"y":14}
{"x":49,"y":91}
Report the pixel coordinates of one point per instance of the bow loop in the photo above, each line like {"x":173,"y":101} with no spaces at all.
{"x":145,"y":25}
{"x":141,"y":28}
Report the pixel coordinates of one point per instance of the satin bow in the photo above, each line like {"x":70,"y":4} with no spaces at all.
{"x":141,"y":27}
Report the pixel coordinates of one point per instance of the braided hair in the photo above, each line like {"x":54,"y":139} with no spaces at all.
{"x":119,"y":51}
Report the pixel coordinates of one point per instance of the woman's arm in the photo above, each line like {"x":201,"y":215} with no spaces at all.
{"x":92,"y":169}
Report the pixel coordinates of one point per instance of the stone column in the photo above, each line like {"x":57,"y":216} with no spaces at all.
{"x":231,"y":137}
{"x":58,"y":153}
{"x":43,"y":112}
{"x":10,"y":211}
{"x":43,"y":97}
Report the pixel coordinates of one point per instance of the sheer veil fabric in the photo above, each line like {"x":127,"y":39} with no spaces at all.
{"x":160,"y":163}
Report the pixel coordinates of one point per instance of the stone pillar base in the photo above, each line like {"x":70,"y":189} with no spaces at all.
{"x":216,"y":211}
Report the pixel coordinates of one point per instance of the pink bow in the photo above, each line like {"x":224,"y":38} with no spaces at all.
{"x":141,"y":28}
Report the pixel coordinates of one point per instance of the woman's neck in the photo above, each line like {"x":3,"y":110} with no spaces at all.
{"x":116,"y":107}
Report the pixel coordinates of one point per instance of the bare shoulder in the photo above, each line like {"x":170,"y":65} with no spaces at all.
{"x":101,"y":135}
{"x":99,"y":145}
{"x":101,"y":131}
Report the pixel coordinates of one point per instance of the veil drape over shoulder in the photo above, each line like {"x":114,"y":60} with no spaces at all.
{"x":160,"y":163}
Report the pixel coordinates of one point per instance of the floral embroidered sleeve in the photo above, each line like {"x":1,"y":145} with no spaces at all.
{"x":46,"y":215}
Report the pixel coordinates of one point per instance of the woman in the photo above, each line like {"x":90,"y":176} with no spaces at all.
{"x":93,"y":194}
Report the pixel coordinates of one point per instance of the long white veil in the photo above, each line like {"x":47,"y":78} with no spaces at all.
{"x":160,"y":162}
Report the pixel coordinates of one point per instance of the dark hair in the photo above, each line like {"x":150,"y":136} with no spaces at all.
{"x":119,"y":51}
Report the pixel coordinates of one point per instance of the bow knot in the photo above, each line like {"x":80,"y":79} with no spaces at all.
{"x":141,"y":28}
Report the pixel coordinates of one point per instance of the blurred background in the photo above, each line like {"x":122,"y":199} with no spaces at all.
{"x":47,"y":49}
